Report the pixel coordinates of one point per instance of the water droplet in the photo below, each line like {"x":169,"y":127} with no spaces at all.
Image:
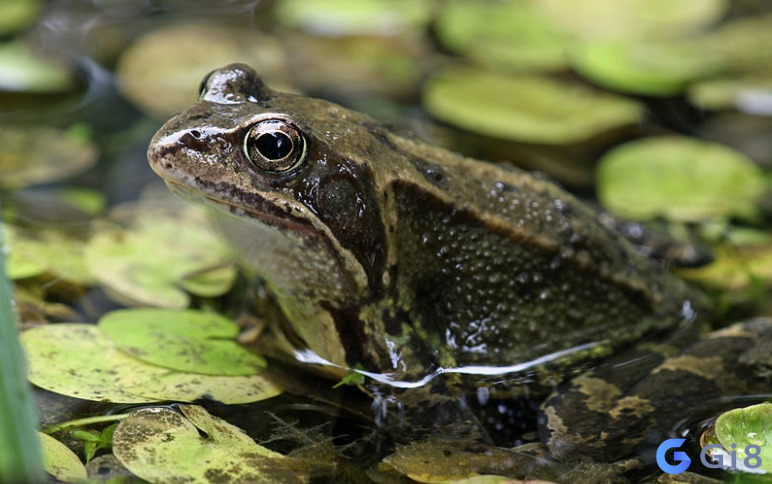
{"x":483,"y":394}
{"x":756,"y":439}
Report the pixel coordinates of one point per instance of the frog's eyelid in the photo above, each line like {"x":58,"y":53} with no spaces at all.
{"x":202,"y":88}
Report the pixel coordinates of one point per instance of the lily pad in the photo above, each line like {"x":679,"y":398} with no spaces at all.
{"x":16,"y":15}
{"x":736,"y":270}
{"x":524,"y":108}
{"x":509,"y":35}
{"x":46,"y":252}
{"x":748,"y":426}
{"x":680,"y":179}
{"x":651,"y":68}
{"x":737,"y":43}
{"x":21,"y":70}
{"x":161,"y":257}
{"x":159,"y":71}
{"x":633,"y":19}
{"x":190,"y":341}
{"x":354,"y":17}
{"x":77,"y":360}
{"x":41,"y":154}
{"x":61,"y":462}
{"x":162,"y":445}
{"x":749,"y":94}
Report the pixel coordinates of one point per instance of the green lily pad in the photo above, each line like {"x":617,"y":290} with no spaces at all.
{"x":77,"y":360}
{"x":748,"y":426}
{"x":633,"y":19}
{"x":736,"y":270}
{"x":650,"y":68}
{"x":354,"y":17}
{"x":161,"y":445}
{"x":738,"y":93}
{"x":524,"y":108}
{"x":738,"y":43}
{"x":164,"y":255}
{"x":678,"y":178}
{"x":510,"y":35}
{"x":46,"y":252}
{"x":61,"y":462}
{"x":40,"y":154}
{"x":23,"y":71}
{"x":16,"y":15}
{"x":190,"y":341}
{"x":159,"y":71}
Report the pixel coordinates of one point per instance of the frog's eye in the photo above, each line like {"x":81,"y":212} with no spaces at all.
{"x":275,"y":146}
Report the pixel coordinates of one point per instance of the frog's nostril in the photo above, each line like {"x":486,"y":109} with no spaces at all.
{"x":196,"y":134}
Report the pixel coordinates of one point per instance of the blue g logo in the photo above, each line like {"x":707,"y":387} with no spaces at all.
{"x":678,"y":456}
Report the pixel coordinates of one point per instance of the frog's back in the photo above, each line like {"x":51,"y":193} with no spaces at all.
{"x":496,"y":259}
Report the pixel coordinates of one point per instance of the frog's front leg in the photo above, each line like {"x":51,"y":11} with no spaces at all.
{"x":592,"y":417}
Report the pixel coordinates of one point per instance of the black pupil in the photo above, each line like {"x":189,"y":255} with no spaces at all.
{"x":274,"y":146}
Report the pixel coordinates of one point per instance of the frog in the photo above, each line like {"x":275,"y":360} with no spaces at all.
{"x":418,"y":266}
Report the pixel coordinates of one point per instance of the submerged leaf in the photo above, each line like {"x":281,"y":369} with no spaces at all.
{"x":678,"y":178}
{"x":41,"y":154}
{"x":162,"y":445}
{"x":524,"y":108}
{"x":21,"y":70}
{"x":189,"y":341}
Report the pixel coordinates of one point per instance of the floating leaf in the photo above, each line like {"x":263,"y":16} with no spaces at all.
{"x":354,"y":17}
{"x":503,"y":35}
{"x":737,"y":43}
{"x":749,"y":94}
{"x":16,"y":15}
{"x":61,"y":462}
{"x":680,"y":179}
{"x":748,"y":426}
{"x":40,"y":154}
{"x":190,"y":341}
{"x":161,"y":445}
{"x":525,"y":108}
{"x":154,"y":262}
{"x":159,"y":71}
{"x":736,"y":270}
{"x":46,"y":252}
{"x":79,"y":361}
{"x":651,"y":68}
{"x":632,"y":19}
{"x":23,"y":71}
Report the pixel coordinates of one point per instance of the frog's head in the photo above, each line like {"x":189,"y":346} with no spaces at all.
{"x":290,"y":180}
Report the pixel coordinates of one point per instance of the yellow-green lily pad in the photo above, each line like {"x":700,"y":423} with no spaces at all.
{"x":41,"y":154}
{"x":18,"y":14}
{"x":46,"y":252}
{"x":190,"y":341}
{"x":77,"y":360}
{"x":740,"y":43}
{"x":633,"y":19}
{"x":508,"y":35}
{"x":162,"y":445}
{"x":21,"y":70}
{"x":748,"y":94}
{"x":678,"y":178}
{"x":736,"y":270}
{"x":159,"y":72}
{"x":60,"y":461}
{"x":160,"y":259}
{"x":524,"y":108}
{"x":748,"y":426}
{"x":650,"y":68}
{"x":354,"y":17}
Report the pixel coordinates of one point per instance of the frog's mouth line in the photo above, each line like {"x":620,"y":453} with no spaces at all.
{"x":186,"y":193}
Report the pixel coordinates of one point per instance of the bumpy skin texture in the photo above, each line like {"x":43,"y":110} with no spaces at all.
{"x":402,"y":256}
